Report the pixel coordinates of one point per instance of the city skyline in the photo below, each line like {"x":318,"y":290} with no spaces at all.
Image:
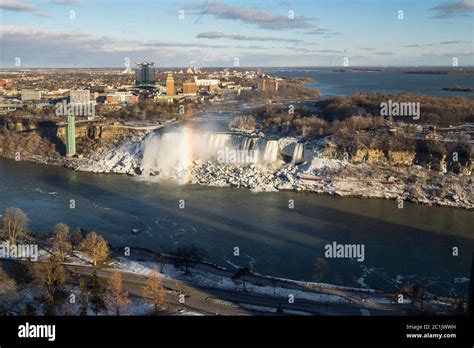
{"x":88,"y":34}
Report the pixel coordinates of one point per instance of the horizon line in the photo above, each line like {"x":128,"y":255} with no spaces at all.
{"x":251,"y":67}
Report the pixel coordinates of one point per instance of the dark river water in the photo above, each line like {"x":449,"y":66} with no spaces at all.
{"x":402,"y":246}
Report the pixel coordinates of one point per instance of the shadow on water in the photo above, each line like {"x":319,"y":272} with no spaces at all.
{"x":281,"y":243}
{"x":306,"y":233}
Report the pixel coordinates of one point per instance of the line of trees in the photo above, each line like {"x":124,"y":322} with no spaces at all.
{"x":186,"y":255}
{"x":50,"y":275}
{"x":443,"y":111}
{"x":300,"y":121}
{"x":345,"y":115}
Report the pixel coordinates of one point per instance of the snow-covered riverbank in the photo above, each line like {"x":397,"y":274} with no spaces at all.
{"x":315,"y":172}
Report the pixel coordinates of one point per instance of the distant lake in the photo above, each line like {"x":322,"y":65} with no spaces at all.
{"x":332,"y":83}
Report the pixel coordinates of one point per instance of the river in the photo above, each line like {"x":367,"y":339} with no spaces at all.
{"x":402,"y":246}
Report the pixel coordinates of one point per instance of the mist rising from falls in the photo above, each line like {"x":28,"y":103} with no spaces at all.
{"x":175,"y":151}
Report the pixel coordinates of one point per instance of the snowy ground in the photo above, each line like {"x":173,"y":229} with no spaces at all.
{"x":200,"y":277}
{"x":317,"y":173}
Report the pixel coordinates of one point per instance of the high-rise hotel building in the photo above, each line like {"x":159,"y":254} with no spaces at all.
{"x":145,"y":74}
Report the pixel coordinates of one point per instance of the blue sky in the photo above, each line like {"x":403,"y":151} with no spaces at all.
{"x":108,"y":33}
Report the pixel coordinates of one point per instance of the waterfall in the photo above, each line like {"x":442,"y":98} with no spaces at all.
{"x":291,"y":150}
{"x":171,"y":151}
{"x":298,"y":153}
{"x":272,"y":151}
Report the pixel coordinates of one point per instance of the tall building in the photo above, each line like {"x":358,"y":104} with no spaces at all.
{"x":30,"y":94}
{"x":70,"y":136}
{"x":189,"y":88}
{"x":267,"y":85}
{"x":80,"y":96}
{"x":145,"y":74}
{"x":170,"y":85}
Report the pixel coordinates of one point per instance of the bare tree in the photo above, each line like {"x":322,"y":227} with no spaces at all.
{"x":14,"y":224}
{"x":241,"y":272}
{"x":84,"y":296}
{"x":61,"y":244}
{"x":320,"y":268}
{"x":76,"y":239}
{"x":161,"y":260}
{"x":154,"y":290}
{"x":184,"y":256}
{"x":96,"y":294}
{"x":53,"y":277}
{"x":96,"y":247}
{"x":7,"y":289}
{"x":418,"y":292}
{"x":117,"y":297}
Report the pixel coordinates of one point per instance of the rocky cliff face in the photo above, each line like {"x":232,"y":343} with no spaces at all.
{"x":95,"y":131}
{"x":27,"y":140}
{"x":369,"y":156}
{"x":462,"y":165}
{"x":403,"y":158}
{"x":44,"y":140}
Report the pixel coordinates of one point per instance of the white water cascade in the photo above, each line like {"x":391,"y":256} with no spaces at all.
{"x":272,"y":151}
{"x":298,"y":153}
{"x":171,"y":151}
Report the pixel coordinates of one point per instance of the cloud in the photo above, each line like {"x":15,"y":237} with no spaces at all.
{"x":330,"y":51}
{"x":384,"y":53}
{"x":18,"y":34}
{"x":300,"y":49}
{"x":24,"y":36}
{"x":327,"y":33}
{"x":180,"y":44}
{"x":374,"y":51}
{"x":317,"y":31}
{"x":67,"y":2}
{"x":451,"y":42}
{"x":253,"y":47}
{"x":222,"y":35}
{"x":435,"y":44}
{"x":16,"y":5}
{"x":263,"y":20}
{"x":20,"y":6}
{"x":453,"y":9}
{"x":37,"y":47}
{"x":330,"y":35}
{"x":44,"y":47}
